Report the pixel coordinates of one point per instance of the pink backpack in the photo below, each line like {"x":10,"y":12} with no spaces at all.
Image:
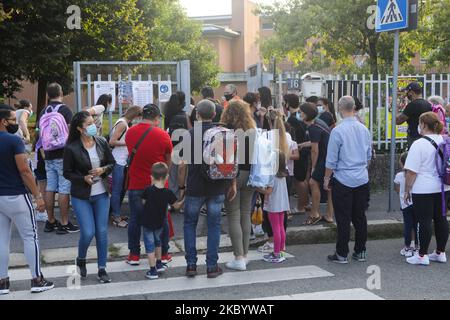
{"x":440,"y":112}
{"x":54,"y":130}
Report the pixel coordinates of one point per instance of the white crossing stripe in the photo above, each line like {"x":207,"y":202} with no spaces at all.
{"x":121,"y":266}
{"x":228,"y":279}
{"x":348,"y":294}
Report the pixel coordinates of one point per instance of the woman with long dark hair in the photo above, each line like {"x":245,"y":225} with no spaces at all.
{"x":87,"y":163}
{"x":174,"y":111}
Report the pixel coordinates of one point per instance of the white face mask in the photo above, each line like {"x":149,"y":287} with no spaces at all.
{"x":320,"y":109}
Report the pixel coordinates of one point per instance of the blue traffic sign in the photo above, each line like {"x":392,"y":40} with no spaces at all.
{"x":392,"y":15}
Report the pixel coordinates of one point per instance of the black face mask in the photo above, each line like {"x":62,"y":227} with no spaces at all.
{"x":12,"y":128}
{"x":228,"y":97}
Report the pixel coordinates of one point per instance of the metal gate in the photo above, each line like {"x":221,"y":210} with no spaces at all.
{"x":87,"y":72}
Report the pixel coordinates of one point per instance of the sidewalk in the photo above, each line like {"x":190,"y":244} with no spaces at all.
{"x":62,"y":248}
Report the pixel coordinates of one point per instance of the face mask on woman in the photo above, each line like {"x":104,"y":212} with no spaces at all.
{"x":320,"y":109}
{"x":91,"y":130}
{"x":298,"y":115}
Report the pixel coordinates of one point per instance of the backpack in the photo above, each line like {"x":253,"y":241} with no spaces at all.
{"x":440,"y":112}
{"x":442,"y":159}
{"x":220,"y":154}
{"x":53,"y":129}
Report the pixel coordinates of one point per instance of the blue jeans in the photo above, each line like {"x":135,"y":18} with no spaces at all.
{"x":192,"y":207}
{"x":117,"y":189}
{"x":152,"y":239}
{"x":134,"y":225}
{"x":409,"y":225}
{"x":92,"y":216}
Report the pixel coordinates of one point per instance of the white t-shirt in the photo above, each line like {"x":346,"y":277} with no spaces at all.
{"x":278,"y":200}
{"x":421,"y":160}
{"x":120,"y":153}
{"x":400,"y":180}
{"x":292,"y":147}
{"x":98,"y":187}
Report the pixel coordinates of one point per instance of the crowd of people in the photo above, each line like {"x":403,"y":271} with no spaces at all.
{"x":322,"y":156}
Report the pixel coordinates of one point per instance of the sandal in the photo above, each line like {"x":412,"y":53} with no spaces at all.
{"x":324,"y":219}
{"x":119,"y":223}
{"x":311,"y":221}
{"x":125,"y":218}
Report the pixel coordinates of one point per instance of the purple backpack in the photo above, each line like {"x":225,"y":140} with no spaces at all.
{"x":442,"y":166}
{"x":54,"y":131}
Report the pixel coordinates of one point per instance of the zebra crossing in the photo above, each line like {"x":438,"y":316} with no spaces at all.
{"x":178,"y":284}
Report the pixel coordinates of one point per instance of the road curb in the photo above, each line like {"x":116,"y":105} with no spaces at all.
{"x":377,"y":229}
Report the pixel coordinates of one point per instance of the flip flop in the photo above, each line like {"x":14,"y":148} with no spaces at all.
{"x":311,"y":221}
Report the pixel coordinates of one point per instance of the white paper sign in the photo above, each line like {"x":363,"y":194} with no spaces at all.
{"x":126,"y":92}
{"x":165,"y":90}
{"x":105,"y":87}
{"x":142,"y":93}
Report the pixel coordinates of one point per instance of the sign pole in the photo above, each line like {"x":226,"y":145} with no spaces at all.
{"x":394,"y":114}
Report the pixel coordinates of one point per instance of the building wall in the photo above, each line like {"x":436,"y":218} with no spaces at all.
{"x":223,"y":47}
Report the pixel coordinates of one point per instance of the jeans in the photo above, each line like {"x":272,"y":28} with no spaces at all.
{"x":134,"y":225}
{"x":55,"y":179}
{"x":92,"y":216}
{"x":117,"y":189}
{"x":192,"y":207}
{"x":350,"y":205}
{"x":152,"y":239}
{"x":409,"y":225}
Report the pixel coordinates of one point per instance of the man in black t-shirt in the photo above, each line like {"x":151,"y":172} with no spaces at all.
{"x":207,"y":93}
{"x":319,"y":134}
{"x":291,"y":102}
{"x":413,"y":111}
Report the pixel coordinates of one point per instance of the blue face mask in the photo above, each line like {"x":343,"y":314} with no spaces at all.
{"x":447,"y":119}
{"x":91,"y":130}
{"x":298,"y":115}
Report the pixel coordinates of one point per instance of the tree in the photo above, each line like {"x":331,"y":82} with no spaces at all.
{"x":173,"y":36}
{"x":334,"y":30}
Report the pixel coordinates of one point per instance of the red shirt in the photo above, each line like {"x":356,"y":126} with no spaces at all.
{"x":156,"y":146}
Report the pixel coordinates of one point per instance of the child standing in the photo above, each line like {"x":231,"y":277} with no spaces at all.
{"x":409,"y":225}
{"x":276,"y":203}
{"x":157,"y":200}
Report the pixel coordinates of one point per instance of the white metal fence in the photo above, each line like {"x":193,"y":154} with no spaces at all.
{"x":374,"y":92}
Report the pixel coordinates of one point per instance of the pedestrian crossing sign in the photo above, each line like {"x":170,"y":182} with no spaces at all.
{"x":392,"y":15}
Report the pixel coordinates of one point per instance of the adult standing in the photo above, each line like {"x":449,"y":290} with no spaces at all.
{"x":327,"y":113}
{"x":87,"y":163}
{"x":348,"y":155}
{"x":423,"y":187}
{"x":147,"y":144}
{"x":413,"y":111}
{"x":103,"y":104}
{"x":56,"y":183}
{"x":200,"y":190}
{"x":299,"y":128}
{"x":319,"y":134}
{"x":238,"y":117}
{"x":16,"y":182}
{"x":24,"y":110}
{"x":258,"y":112}
{"x":207,"y":93}
{"x":120,"y":154}
{"x":229,"y":94}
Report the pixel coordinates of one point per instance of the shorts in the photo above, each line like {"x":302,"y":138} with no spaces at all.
{"x":55,"y":179}
{"x":39,"y":172}
{"x":319,"y":172}
{"x":152,"y":239}
{"x":301,"y":169}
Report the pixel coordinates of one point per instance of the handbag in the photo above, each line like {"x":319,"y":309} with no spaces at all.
{"x":131,"y":156}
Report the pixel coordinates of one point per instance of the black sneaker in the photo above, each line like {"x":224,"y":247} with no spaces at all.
{"x":50,"y":227}
{"x":4,"y":286}
{"x":361,"y":257}
{"x":161,"y":267}
{"x":103,"y":276}
{"x":81,"y":264}
{"x":337,"y":259}
{"x":68,"y":228}
{"x":41,"y":285}
{"x":214,"y":272}
{"x":191,"y":271}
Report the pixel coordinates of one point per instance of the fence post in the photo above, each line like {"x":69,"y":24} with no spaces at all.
{"x":185,"y":81}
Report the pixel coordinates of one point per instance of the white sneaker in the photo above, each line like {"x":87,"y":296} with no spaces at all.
{"x":266,"y":248}
{"x":252,"y":236}
{"x":259,"y":232}
{"x":239,"y":265}
{"x":418,"y":260}
{"x":407,"y":252}
{"x":442,"y":258}
{"x":41,"y":216}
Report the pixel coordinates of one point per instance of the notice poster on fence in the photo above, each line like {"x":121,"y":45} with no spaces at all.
{"x":164,"y":90}
{"x":105,"y":87}
{"x":126,"y":92}
{"x":142,"y":93}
